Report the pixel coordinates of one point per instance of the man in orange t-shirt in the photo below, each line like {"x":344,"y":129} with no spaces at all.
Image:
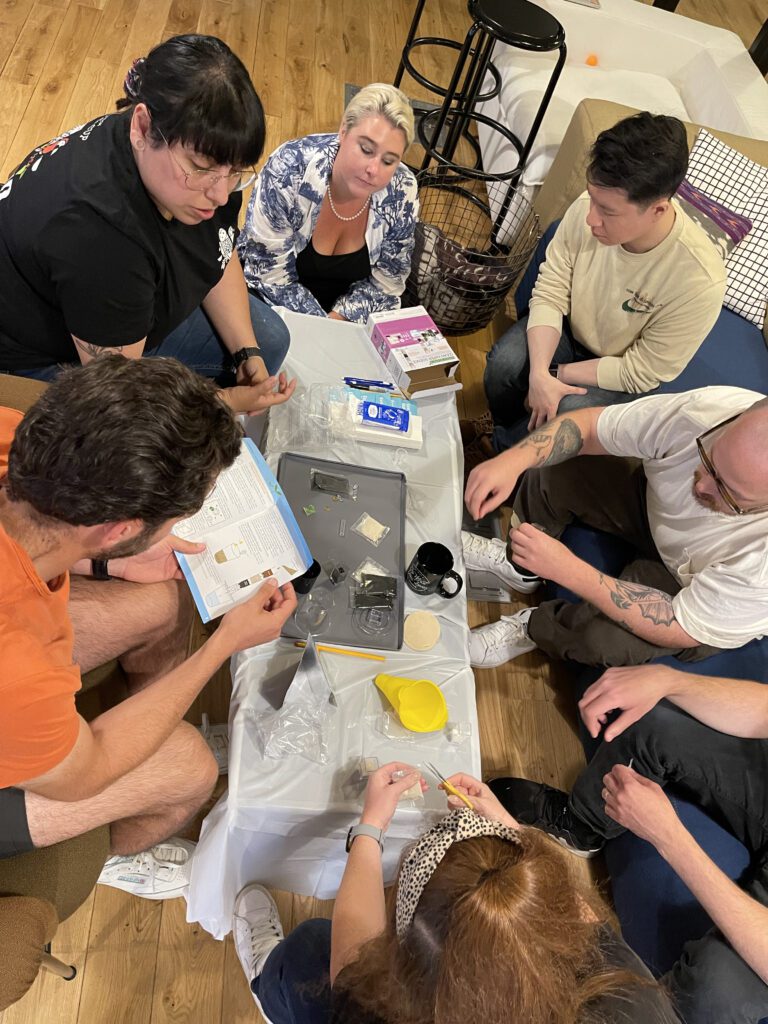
{"x":92,"y":479}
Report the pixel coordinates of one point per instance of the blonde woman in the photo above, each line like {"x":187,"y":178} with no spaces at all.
{"x":331,"y":221}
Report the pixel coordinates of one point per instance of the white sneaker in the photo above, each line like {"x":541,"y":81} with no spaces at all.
{"x":256,"y":930}
{"x":501,"y":641}
{"x":217,"y":738}
{"x":490,"y":555}
{"x":160,"y":873}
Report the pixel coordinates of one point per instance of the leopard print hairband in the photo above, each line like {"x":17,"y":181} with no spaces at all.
{"x":419,"y":865}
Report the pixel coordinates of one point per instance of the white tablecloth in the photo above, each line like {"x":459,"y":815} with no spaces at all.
{"x":284,"y":823}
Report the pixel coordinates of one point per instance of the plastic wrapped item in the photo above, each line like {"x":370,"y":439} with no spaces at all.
{"x":457,"y":732}
{"x":374,"y":591}
{"x":322,"y":415}
{"x":338,"y":485}
{"x":217,"y":738}
{"x":387,"y":724}
{"x":313,"y":420}
{"x":371,"y":529}
{"x":313,"y":613}
{"x":336,"y":571}
{"x":413,"y":793}
{"x":370,"y":568}
{"x":372,"y":623}
{"x":302,"y":724}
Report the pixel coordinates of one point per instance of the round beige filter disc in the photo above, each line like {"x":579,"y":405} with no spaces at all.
{"x":421,"y":631}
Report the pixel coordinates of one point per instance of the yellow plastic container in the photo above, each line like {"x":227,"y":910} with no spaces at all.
{"x":420,"y":705}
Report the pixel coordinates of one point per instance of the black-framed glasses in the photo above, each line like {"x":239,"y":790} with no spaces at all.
{"x":200,"y":179}
{"x":723,"y":491}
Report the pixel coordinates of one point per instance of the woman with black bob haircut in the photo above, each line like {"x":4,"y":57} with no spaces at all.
{"x":120,"y":234}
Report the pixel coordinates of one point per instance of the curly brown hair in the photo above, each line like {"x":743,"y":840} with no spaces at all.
{"x":122,"y":439}
{"x":502,"y":932}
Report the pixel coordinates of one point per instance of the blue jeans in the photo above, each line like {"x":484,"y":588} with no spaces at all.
{"x":195,"y":343}
{"x":507,"y":370}
{"x":294,"y":986}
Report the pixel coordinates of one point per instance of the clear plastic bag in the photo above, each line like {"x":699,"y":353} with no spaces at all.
{"x":302,"y":725}
{"x":313,"y":420}
{"x":294,"y":730}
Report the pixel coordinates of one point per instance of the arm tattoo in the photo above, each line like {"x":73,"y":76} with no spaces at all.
{"x":653,"y":604}
{"x":550,"y":449}
{"x":95,"y":350}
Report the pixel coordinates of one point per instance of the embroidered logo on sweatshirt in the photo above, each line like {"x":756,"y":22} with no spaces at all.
{"x":639,"y":303}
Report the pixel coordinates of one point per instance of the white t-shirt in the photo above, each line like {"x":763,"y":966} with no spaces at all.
{"x":720,"y":560}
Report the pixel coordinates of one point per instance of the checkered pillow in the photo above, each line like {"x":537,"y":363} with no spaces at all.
{"x":742,"y":185}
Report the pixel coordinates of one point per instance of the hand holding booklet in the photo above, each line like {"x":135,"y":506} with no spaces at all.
{"x":250,"y":533}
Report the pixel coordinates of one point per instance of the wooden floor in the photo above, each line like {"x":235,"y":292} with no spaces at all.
{"x":63,"y":62}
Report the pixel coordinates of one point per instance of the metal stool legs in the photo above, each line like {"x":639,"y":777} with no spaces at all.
{"x":409,"y":41}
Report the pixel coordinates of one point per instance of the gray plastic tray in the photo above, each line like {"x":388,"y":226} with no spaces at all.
{"x":332,"y":542}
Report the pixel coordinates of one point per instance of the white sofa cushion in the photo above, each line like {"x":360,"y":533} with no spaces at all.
{"x":524,"y":87}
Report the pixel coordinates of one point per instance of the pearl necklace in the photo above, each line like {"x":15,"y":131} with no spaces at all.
{"x":336,"y":213}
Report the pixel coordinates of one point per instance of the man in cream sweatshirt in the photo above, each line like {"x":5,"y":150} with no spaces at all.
{"x":629,"y":289}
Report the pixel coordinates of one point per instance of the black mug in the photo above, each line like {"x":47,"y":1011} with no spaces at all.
{"x":304,"y":583}
{"x":430,"y":567}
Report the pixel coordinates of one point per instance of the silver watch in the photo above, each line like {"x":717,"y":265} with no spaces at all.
{"x":365,"y":830}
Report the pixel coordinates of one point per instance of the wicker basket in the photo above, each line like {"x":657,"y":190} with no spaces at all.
{"x":473,"y":240}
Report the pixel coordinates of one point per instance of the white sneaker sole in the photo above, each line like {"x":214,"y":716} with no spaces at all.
{"x":498,"y":662}
{"x":520,"y":587}
{"x":169,"y":894}
{"x":584,"y":854}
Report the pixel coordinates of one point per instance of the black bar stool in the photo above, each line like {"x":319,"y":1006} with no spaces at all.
{"x":519,"y":24}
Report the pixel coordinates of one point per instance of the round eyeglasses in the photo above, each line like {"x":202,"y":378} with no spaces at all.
{"x":200,"y":179}
{"x":708,"y":465}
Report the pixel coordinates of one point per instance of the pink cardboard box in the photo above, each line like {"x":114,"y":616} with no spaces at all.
{"x":414,"y":351}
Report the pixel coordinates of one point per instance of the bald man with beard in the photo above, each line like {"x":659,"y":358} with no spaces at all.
{"x":684,"y":480}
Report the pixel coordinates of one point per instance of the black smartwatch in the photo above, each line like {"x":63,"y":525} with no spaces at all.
{"x":244,"y":353}
{"x":99,"y":569}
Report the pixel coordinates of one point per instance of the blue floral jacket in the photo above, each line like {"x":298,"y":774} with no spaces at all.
{"x":281,"y":219}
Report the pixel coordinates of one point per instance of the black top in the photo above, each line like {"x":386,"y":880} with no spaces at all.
{"x":329,"y":277}
{"x":85,"y":251}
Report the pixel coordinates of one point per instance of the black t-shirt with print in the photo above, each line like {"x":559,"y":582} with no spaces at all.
{"x":85,"y":251}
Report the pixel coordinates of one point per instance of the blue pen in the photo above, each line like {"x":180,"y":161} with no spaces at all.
{"x":363,"y":382}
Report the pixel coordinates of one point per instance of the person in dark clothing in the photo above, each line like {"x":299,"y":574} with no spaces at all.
{"x":709,"y":737}
{"x":119,"y":235}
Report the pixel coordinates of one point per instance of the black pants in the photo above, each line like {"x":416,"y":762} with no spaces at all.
{"x":728,"y":778}
{"x":607,"y":493}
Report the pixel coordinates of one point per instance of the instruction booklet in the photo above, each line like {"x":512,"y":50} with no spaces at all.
{"x":251,"y":535}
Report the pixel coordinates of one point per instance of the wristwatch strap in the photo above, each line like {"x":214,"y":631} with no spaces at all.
{"x":244,"y":353}
{"x":100,"y":569}
{"x":365,"y":830}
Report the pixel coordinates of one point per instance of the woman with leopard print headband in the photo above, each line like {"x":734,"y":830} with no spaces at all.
{"x":486,"y":923}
